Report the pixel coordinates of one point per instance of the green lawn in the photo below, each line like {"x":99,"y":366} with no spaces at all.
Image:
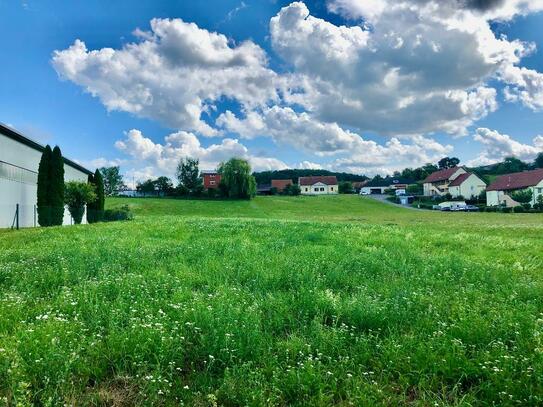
{"x":277,"y":301}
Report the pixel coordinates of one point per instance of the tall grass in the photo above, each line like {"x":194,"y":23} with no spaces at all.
{"x":170,"y":310}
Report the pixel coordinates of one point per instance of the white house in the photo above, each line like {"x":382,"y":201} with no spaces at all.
{"x":467,"y":185}
{"x":499,"y":192}
{"x":455,"y":181}
{"x":19,"y":160}
{"x":322,"y":185}
{"x":437,"y":183}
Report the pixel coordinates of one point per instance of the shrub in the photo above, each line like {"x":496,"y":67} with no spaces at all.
{"x":212,"y":193}
{"x":518,"y":209}
{"x":527,"y":206}
{"x":118,"y":214}
{"x":506,"y":210}
{"x":274,"y":191}
{"x":522,"y":196}
{"x":345,"y":187}
{"x":292,"y":190}
{"x":77,"y":195}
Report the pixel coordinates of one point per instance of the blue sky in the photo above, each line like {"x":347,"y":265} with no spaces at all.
{"x":348,"y":98}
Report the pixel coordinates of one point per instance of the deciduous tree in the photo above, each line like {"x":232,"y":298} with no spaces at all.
{"x":113,"y":180}
{"x":236,"y":176}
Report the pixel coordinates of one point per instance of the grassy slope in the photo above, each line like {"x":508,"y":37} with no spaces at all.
{"x":191,"y":302}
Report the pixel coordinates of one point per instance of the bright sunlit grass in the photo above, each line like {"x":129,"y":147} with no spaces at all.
{"x":277,"y":301}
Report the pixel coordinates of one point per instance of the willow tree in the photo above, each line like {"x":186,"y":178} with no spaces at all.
{"x":237,"y":179}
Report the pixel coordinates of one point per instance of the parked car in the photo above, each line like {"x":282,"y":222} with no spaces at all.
{"x":472,"y":208}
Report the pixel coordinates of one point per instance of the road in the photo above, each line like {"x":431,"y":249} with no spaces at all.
{"x":383,"y":198}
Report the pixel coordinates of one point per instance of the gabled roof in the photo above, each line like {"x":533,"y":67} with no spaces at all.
{"x":327,"y":180}
{"x":441,"y":175}
{"x":15,"y":135}
{"x":359,"y":184}
{"x":208,"y":172}
{"x":280,"y":184}
{"x":517,"y":180}
{"x":460,"y":179}
{"x":386,"y":182}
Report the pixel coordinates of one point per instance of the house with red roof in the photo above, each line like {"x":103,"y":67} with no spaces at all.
{"x":280,"y":184}
{"x":499,"y":192}
{"x":320,"y":185}
{"x":455,"y":181}
{"x":467,"y":185}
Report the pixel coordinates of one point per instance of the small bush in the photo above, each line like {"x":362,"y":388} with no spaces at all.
{"x":506,"y":210}
{"x":212,"y":193}
{"x":117,"y":214}
{"x":518,"y":209}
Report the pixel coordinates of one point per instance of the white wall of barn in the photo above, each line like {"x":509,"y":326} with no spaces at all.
{"x":18,"y":182}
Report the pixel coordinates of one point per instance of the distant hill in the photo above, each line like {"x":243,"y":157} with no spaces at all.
{"x":265,"y":177}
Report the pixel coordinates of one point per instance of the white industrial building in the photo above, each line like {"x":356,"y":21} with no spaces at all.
{"x":19,"y":160}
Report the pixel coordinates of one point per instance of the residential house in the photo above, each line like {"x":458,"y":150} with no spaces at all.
{"x":467,"y":185}
{"x":280,"y":184}
{"x":379,"y":186}
{"x":211,"y":179}
{"x":357,"y":185}
{"x":19,"y":161}
{"x":453,"y":181}
{"x":319,"y":185}
{"x":499,"y":192}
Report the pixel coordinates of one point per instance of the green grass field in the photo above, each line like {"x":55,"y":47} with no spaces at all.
{"x":277,"y":301}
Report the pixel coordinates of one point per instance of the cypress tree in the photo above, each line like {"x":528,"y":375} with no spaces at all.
{"x":57,"y":187}
{"x":91,"y":206}
{"x":44,"y":181}
{"x":100,"y":196}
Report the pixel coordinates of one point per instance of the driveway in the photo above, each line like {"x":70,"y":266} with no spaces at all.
{"x":383,"y":198}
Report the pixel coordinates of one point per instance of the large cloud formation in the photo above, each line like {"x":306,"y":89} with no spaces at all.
{"x":404,"y":69}
{"x":175,"y":73}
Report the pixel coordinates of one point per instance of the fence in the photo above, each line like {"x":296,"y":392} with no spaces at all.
{"x":16,"y":216}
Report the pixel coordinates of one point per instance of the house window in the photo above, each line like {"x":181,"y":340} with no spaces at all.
{"x":331,"y":188}
{"x":212,"y":182}
{"x":306,"y":189}
{"x":316,"y":189}
{"x":322,"y":189}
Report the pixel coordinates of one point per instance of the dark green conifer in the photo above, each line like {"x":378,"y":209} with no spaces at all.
{"x":56,"y":188}
{"x":44,"y":181}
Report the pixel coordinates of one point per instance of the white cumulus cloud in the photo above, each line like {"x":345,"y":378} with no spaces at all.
{"x":497,"y":146}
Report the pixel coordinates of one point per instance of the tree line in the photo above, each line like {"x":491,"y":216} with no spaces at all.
{"x":237,"y":181}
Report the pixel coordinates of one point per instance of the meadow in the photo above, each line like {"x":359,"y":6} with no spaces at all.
{"x":278,"y":301}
